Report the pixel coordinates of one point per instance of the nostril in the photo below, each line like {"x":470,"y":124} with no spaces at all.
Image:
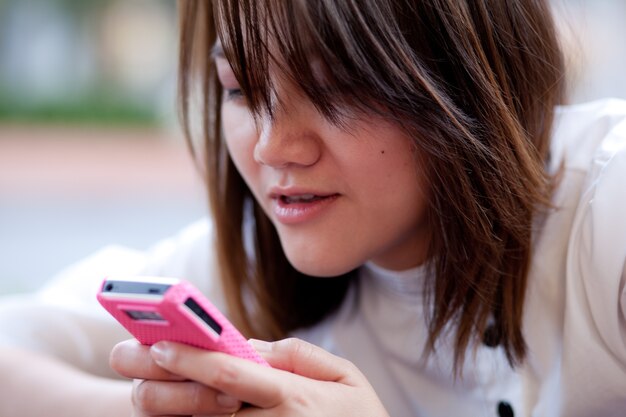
{"x":266,"y":155}
{"x":287,"y":142}
{"x":286,"y":154}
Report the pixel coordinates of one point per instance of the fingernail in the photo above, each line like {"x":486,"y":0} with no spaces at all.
{"x":228,"y":402}
{"x":159,"y":352}
{"x":260,"y":345}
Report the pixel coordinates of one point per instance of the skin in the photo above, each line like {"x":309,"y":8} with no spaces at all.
{"x":376,"y":214}
{"x":371,"y":165}
{"x":304,"y":381}
{"x":56,"y":388}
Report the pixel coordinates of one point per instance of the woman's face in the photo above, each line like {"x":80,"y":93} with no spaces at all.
{"x":338,"y":197}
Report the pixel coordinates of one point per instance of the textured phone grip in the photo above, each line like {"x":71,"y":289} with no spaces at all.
{"x":230,"y":340}
{"x":180,"y":324}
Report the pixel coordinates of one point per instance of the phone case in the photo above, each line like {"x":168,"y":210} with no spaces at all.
{"x":154,"y":309}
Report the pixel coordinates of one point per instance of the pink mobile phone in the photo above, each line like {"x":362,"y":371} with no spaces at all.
{"x":156,"y":308}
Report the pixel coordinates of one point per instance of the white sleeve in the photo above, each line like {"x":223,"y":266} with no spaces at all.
{"x":595,"y":314}
{"x":589,"y":377}
{"x":64,"y":318}
{"x":602,"y":248}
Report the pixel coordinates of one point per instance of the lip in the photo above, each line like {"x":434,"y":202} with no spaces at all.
{"x":300,"y":211}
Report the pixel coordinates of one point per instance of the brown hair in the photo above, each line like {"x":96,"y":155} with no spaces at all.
{"x":474,"y":82}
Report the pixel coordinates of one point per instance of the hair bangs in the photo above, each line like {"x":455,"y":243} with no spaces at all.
{"x":323,"y":48}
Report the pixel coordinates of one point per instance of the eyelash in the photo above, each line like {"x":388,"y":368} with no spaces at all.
{"x":233,"y":94}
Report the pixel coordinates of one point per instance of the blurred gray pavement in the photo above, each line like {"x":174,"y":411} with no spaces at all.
{"x":66,"y":192}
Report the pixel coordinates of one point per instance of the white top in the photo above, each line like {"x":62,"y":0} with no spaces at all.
{"x":575,"y":322}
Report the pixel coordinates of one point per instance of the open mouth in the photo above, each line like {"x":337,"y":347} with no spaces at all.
{"x":298,"y":208}
{"x":304,"y":198}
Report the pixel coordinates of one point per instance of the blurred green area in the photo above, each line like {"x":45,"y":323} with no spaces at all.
{"x":94,"y":107}
{"x":87,"y":62}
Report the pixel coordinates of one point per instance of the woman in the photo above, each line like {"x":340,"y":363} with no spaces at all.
{"x":391,"y":182}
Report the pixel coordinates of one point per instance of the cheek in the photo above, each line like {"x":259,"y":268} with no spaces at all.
{"x":395,"y":169}
{"x":240,"y":137}
{"x":393,"y":188}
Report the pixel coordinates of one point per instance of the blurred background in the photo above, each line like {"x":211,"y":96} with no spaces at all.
{"x":90,"y":150}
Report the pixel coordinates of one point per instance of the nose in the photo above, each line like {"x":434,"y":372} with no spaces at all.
{"x":289,"y":138}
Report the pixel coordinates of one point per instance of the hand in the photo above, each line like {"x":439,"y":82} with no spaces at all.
{"x":157,"y":392}
{"x":305,"y":380}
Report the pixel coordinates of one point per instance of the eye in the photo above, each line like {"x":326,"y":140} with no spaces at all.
{"x":233,"y":94}
{"x":230,"y":86}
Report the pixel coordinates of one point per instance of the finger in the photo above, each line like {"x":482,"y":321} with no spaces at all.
{"x":181,"y":398}
{"x":132,"y":360}
{"x":240,"y":378}
{"x":305,"y":359}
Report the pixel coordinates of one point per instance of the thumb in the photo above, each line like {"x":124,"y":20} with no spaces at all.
{"x":305,"y":359}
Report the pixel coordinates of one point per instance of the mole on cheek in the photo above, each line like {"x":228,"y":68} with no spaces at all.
{"x":382,"y":152}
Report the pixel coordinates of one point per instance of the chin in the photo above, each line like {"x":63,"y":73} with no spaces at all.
{"x":322,"y":266}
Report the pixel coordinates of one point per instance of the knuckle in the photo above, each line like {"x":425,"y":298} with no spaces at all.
{"x":300,"y":350}
{"x":298,"y":405}
{"x":224,"y":375}
{"x":349,"y":366}
{"x":295,"y":347}
{"x":144,"y":396}
{"x":350,"y":370}
{"x":290,"y":343}
{"x":196,"y":396}
{"x":301,"y":401}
